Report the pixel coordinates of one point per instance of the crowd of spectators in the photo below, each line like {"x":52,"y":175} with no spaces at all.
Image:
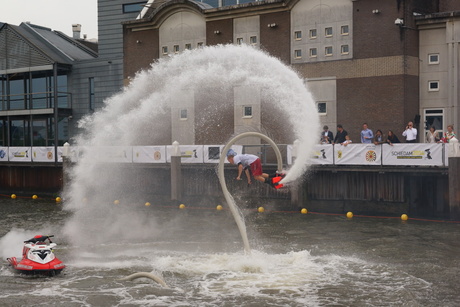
{"x":368,"y":137}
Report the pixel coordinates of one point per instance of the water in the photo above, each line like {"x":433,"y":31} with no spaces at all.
{"x":297,"y":260}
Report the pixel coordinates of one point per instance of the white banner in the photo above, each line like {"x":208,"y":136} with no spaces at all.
{"x":43,"y":154}
{"x":212,"y":152}
{"x":358,"y":154}
{"x":413,"y":154}
{"x":3,"y":154}
{"x":149,"y":154}
{"x":23,"y":154}
{"x":60,"y":148}
{"x":119,"y":154}
{"x":323,"y":154}
{"x":189,"y":153}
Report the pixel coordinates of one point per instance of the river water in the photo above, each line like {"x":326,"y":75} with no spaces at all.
{"x":296,"y":260}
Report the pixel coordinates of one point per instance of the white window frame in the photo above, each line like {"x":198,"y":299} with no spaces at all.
{"x":239,"y":41}
{"x":342,"y":47}
{"x":317,"y":107}
{"x":315,"y":50}
{"x":430,"y":62}
{"x":326,"y":32}
{"x":430,"y":89}
{"x":298,"y":54}
{"x":313,"y":33}
{"x":247,"y":108}
{"x":253,"y":40}
{"x":176,"y":48}
{"x":200,"y":45}
{"x":164,"y":50}
{"x":326,"y":53}
{"x":188,"y":46}
{"x":342,"y":30}
{"x":298,"y":35}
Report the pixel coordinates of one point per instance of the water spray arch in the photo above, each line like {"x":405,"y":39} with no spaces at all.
{"x":239,"y":219}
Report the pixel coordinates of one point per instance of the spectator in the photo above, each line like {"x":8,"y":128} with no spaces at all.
{"x":366,"y":134}
{"x":378,"y":137}
{"x":410,"y":133}
{"x":340,"y":136}
{"x":328,"y":134}
{"x":324,"y":140}
{"x":392,"y":138}
{"x":432,"y":135}
{"x":450,"y":134}
{"x":347,"y":141}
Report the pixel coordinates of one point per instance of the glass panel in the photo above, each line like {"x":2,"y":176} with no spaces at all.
{"x":2,"y":92}
{"x":63,"y":100}
{"x":20,"y":133}
{"x":39,"y":92}
{"x":17,"y":101}
{"x":133,"y":7}
{"x":39,"y":132}
{"x":3,"y":133}
{"x":229,"y":2}
{"x":63,"y":128}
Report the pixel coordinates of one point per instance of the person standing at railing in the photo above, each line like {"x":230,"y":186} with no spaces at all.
{"x":410,"y":133}
{"x":450,"y":134}
{"x":378,"y":137}
{"x":392,"y":138}
{"x":340,"y":136}
{"x":366,"y":135}
{"x":432,"y":135}
{"x":326,"y":136}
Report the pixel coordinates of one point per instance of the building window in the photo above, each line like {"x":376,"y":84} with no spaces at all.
{"x":253,"y":40}
{"x":433,"y":86}
{"x":344,"y":49}
{"x":298,"y":35}
{"x":321,"y":108}
{"x":313,"y":52}
{"x":176,"y":48}
{"x":239,"y":41}
{"x":328,"y":51}
{"x":188,"y":46}
{"x":328,"y":31}
{"x":344,"y":30}
{"x":91,"y":93}
{"x":435,"y":118}
{"x":133,"y":7}
{"x":313,"y":33}
{"x":200,"y":45}
{"x":183,"y":114}
{"x":433,"y":58}
{"x":247,"y":111}
{"x":297,"y":54}
{"x":164,"y":50}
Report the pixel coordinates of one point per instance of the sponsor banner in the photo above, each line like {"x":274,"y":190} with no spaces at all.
{"x":189,"y":153}
{"x":358,"y":154}
{"x":118,"y":154}
{"x":412,"y":154}
{"x":212,"y":152}
{"x":43,"y":154}
{"x":3,"y":154}
{"x":23,"y":154}
{"x":60,"y":149}
{"x":149,"y":154}
{"x":323,"y":154}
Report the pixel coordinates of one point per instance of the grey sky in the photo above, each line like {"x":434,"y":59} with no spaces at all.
{"x":55,"y":14}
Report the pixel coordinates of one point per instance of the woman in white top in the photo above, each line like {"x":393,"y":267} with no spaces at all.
{"x":432,"y":135}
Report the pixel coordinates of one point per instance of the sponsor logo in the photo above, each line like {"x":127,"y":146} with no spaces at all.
{"x":2,"y":154}
{"x":157,"y":155}
{"x":21,"y":154}
{"x":414,"y":154}
{"x":371,"y":156}
{"x":189,"y":154}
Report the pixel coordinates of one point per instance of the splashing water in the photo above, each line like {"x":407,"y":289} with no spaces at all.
{"x":140,"y":115}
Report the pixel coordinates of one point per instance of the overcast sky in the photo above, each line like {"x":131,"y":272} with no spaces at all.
{"x":55,"y":14}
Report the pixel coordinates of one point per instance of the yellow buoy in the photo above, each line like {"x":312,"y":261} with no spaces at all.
{"x":304,"y":211}
{"x":13,"y":196}
{"x":260,"y":209}
{"x":58,"y":199}
{"x":349,"y":215}
{"x":34,"y":197}
{"x":219,"y":207}
{"x":116,"y":202}
{"x":181,"y":206}
{"x":147,"y":204}
{"x":404,"y":217}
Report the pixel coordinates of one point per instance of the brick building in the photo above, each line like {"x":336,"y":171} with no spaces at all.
{"x":360,"y":58}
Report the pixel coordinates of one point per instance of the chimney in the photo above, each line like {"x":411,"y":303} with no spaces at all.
{"x":76,"y":29}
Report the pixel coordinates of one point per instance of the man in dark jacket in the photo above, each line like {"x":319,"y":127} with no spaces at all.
{"x":340,"y":136}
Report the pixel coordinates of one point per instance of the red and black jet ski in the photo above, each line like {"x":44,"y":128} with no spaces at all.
{"x":38,"y":258}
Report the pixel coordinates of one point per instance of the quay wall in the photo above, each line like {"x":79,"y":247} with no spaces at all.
{"x":389,"y":191}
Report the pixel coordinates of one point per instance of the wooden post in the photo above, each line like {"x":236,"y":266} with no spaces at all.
{"x":454,"y":187}
{"x":176,"y":174}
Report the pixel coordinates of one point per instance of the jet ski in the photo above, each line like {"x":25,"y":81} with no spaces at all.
{"x":38,"y":258}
